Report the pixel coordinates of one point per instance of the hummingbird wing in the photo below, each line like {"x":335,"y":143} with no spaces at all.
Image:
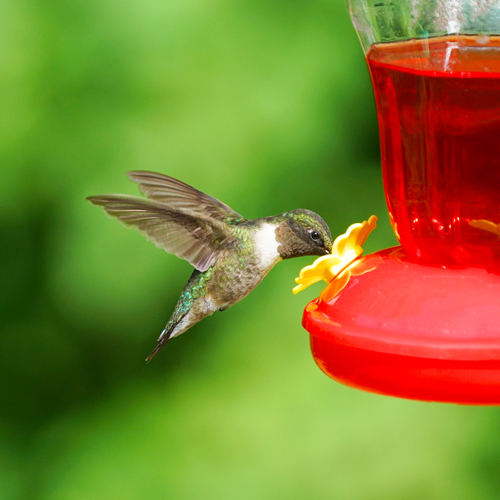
{"x":190,"y":235}
{"x":177,"y":194}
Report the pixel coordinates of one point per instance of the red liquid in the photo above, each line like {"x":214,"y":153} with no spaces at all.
{"x":438,"y":102}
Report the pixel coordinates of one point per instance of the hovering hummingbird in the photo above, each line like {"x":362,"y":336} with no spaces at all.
{"x":230,"y":254}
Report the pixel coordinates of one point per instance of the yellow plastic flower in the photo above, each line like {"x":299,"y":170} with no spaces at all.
{"x":486,"y":225}
{"x":346,"y":249}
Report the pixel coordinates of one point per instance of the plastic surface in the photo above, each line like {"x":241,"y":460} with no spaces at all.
{"x":411,"y":330}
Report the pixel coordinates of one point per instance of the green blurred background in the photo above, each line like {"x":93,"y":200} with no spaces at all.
{"x":267,"y":106}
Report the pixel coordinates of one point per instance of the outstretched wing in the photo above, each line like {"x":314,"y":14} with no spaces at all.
{"x":190,"y":235}
{"x":177,"y":194}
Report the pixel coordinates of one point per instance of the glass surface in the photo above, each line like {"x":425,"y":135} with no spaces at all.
{"x":397,"y":20}
{"x":435,"y":67}
{"x":439,"y":114}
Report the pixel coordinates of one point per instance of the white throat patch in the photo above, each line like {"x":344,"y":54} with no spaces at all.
{"x":266,"y":246}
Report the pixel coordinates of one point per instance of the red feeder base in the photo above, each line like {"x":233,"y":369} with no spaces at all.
{"x":412,"y":331}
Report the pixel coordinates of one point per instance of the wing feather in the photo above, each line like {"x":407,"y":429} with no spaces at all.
{"x":190,"y":235}
{"x":178,"y":194}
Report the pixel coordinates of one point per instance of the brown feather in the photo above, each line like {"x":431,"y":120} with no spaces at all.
{"x":178,"y":194}
{"x":192,"y":236}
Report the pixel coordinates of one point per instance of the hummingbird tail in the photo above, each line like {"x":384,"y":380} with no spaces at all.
{"x":177,"y":324}
{"x":162,"y":340}
{"x":165,"y":336}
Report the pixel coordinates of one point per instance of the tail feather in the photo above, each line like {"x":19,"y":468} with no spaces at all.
{"x":165,"y":336}
{"x":163,"y":340}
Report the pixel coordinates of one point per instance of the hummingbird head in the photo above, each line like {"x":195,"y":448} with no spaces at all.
{"x":302,"y":232}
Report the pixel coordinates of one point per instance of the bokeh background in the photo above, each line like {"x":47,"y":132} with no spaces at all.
{"x":267,"y":106}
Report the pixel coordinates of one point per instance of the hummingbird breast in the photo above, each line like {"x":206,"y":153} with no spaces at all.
{"x":241,"y":270}
{"x":232,"y":281}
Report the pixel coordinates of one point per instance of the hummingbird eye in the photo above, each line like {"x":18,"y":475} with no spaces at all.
{"x":315,"y":235}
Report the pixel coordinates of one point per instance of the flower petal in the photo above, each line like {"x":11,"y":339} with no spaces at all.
{"x":354,"y":238}
{"x":486,"y":225}
{"x":346,"y":249}
{"x":335,"y":286}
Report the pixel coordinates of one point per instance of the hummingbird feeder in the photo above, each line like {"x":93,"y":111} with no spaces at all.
{"x":422,"y":320}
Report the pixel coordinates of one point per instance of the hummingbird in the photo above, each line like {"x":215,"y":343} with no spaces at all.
{"x":230,"y":254}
